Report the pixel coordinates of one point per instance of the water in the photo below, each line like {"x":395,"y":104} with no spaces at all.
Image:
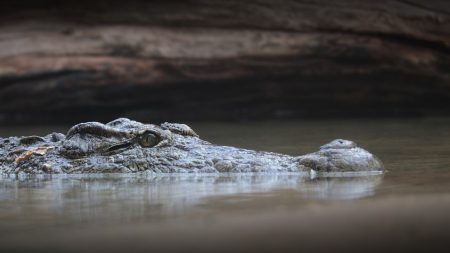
{"x":408,"y":207}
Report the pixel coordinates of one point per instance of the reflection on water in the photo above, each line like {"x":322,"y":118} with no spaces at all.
{"x":413,"y":195}
{"x":140,"y":196}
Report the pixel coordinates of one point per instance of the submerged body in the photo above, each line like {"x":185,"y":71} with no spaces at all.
{"x":127,"y":146}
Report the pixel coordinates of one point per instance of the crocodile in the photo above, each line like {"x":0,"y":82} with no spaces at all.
{"x":126,"y":146}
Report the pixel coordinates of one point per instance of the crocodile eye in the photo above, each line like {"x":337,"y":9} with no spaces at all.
{"x":148,"y":140}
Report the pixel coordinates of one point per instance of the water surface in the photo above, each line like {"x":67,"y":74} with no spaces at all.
{"x":406,"y":207}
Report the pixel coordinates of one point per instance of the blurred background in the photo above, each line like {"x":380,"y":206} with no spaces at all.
{"x":278,"y":75}
{"x":222,"y":60}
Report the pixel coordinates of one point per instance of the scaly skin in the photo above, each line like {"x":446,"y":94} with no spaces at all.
{"x":126,"y":146}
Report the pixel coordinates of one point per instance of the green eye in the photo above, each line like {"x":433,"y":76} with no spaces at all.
{"x":148,"y":140}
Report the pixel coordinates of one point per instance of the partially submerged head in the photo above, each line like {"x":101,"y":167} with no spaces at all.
{"x":124,"y":145}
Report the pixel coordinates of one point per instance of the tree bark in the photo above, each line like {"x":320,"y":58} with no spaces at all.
{"x":219,"y":60}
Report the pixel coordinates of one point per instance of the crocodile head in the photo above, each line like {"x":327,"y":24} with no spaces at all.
{"x":124,"y":145}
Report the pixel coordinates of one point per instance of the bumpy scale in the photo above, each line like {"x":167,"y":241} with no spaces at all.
{"x":127,"y":146}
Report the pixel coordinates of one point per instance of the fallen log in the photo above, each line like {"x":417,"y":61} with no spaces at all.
{"x":219,"y":60}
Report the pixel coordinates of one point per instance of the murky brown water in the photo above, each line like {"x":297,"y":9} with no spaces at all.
{"x":408,"y":207}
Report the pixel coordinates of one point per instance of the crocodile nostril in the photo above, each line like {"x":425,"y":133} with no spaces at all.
{"x":339,"y":144}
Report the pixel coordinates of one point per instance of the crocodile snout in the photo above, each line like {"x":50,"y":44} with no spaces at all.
{"x":341,"y":155}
